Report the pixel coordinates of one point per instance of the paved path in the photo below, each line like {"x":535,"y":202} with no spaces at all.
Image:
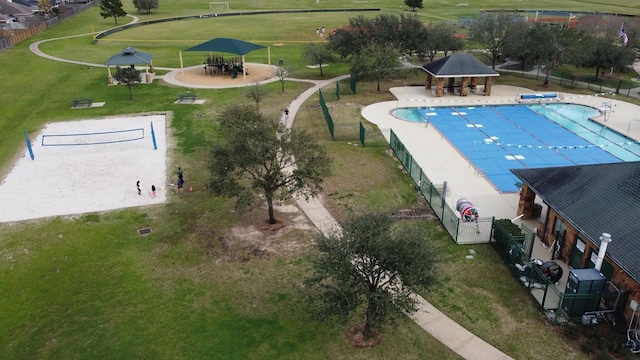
{"x":433,"y":321}
{"x":454,"y":336}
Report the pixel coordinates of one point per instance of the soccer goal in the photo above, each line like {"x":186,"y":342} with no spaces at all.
{"x":219,"y":5}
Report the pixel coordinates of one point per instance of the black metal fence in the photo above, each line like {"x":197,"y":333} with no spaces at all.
{"x":475,"y":232}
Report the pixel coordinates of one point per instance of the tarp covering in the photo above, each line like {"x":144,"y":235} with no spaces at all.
{"x":231,"y":46}
{"x":130,"y":56}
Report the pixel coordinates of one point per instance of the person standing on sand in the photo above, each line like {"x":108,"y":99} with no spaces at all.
{"x":138,"y":186}
{"x":153,"y":191}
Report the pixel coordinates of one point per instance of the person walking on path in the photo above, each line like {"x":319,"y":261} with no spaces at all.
{"x":286,"y":114}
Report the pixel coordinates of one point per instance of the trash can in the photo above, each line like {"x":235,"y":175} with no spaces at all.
{"x":280,"y":62}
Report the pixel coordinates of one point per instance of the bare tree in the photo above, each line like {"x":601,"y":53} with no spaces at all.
{"x":282,"y":73}
{"x":256,"y":93}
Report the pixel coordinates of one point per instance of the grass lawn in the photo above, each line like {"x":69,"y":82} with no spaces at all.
{"x":90,"y":287}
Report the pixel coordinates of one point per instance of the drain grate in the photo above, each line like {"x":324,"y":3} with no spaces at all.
{"x":144,"y":231}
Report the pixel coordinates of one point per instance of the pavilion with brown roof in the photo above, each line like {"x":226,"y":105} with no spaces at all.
{"x":461,"y":71}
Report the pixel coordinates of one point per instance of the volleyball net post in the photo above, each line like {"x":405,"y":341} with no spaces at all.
{"x":26,"y":139}
{"x":153,"y":137}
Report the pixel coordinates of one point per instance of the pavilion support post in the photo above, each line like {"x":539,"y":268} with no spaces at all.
{"x":440,"y":87}
{"x":474,"y":83}
{"x":487,"y":85}
{"x":110,"y":78}
{"x":463,"y":86}
{"x":244,"y":70}
{"x":451,"y":85}
{"x":429,"y":82}
{"x":181,"y":64}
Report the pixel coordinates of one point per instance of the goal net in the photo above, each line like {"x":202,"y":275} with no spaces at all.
{"x":219,"y":5}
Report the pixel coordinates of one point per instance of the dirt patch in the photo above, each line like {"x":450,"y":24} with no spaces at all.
{"x":197,"y":76}
{"x":355,"y":337}
{"x":254,"y":237}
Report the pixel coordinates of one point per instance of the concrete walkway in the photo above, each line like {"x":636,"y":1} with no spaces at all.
{"x":452,"y":335}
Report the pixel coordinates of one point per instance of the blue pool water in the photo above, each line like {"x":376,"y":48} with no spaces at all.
{"x":498,"y":138}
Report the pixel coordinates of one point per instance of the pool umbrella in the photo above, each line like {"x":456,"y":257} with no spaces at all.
{"x":226,"y":45}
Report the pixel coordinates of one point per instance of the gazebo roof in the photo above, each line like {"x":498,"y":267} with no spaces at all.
{"x":130,"y":56}
{"x":458,"y":65}
{"x":231,"y":46}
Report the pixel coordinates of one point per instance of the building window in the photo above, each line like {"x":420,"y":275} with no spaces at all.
{"x":558,"y":227}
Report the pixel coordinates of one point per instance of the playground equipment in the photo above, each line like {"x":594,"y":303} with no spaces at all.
{"x":468,"y":212}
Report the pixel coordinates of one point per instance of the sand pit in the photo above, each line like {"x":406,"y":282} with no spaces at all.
{"x":93,"y":167}
{"x":196,"y":77}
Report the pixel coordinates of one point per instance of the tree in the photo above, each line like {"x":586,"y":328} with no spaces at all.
{"x":372,"y":269}
{"x":109,"y":8}
{"x":128,"y":76}
{"x":413,"y":4}
{"x":145,"y":5}
{"x":407,"y":33}
{"x":256,"y":93}
{"x":558,"y":46}
{"x":318,"y":54}
{"x":376,"y":61}
{"x":259,"y":156}
{"x":45,"y":7}
{"x":440,"y":37}
{"x":492,"y":31}
{"x":281,"y":73}
{"x":603,"y":53}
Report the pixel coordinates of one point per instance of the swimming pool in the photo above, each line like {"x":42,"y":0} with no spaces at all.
{"x":502,"y":137}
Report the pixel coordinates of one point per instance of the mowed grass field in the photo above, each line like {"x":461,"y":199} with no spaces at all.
{"x":89,"y":287}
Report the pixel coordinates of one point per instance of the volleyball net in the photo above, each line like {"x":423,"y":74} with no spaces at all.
{"x":93,"y":138}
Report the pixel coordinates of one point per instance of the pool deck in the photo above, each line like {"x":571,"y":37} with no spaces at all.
{"x":442,"y":162}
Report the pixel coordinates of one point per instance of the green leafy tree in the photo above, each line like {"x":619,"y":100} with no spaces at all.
{"x":602,"y":53}
{"x":145,"y":5}
{"x":259,"y":156}
{"x":406,"y":33}
{"x":525,"y":44}
{"x":128,"y":76}
{"x":558,"y":46}
{"x":491,"y":31}
{"x":440,"y":37}
{"x":109,"y":8}
{"x":318,"y":54}
{"x":371,"y":269}
{"x":413,"y":4}
{"x":376,"y":61}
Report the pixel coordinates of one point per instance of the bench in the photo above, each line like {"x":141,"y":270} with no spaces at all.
{"x":190,"y":97}
{"x":82,"y":103}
